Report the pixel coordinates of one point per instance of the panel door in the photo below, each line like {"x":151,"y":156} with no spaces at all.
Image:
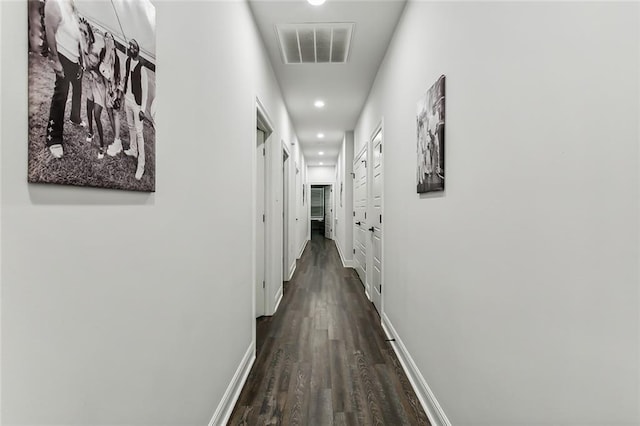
{"x":375,"y":222}
{"x":360,"y":212}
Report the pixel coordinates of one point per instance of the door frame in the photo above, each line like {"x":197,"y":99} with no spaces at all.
{"x":310,"y":184}
{"x":286,"y":211}
{"x":378,"y":129}
{"x":264,"y":123}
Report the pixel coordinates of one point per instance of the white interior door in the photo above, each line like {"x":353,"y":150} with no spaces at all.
{"x":298,"y":234}
{"x":360,"y":213}
{"x":328,"y":212}
{"x":260,"y":225}
{"x":375,"y":221}
{"x":285,"y":214}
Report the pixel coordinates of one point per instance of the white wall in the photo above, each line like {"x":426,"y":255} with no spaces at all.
{"x":116,"y":307}
{"x":344,"y":210}
{"x":516,"y":290}
{"x":321,"y":174}
{"x":1,"y":60}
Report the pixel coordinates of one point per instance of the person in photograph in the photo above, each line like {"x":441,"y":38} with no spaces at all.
{"x":436,"y":128}
{"x":92,"y":48}
{"x":135,"y":99}
{"x":110,"y":71}
{"x":103,"y":71}
{"x":63,"y":38}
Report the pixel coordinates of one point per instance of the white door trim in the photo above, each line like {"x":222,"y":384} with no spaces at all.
{"x":264,"y":123}
{"x":259,"y":240}
{"x":308,"y":189}
{"x":286,"y":210}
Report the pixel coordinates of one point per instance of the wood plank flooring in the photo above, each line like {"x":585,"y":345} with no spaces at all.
{"x":322,"y":358}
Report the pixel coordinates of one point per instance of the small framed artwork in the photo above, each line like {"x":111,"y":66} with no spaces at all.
{"x":430,"y":120}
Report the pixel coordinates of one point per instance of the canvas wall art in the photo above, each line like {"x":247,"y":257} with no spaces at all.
{"x":430,"y":124}
{"x":92,"y":93}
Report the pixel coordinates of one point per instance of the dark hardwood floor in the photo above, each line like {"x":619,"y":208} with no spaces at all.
{"x":322,"y":358}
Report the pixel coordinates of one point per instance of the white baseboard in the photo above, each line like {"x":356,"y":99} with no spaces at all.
{"x":340,"y":252}
{"x":292,"y":270}
{"x":428,"y":400}
{"x":228,"y":402}
{"x":278,"y":300}
{"x":304,"y":246}
{"x":345,"y":263}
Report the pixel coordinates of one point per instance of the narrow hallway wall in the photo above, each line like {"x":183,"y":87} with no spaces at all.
{"x":133,"y":308}
{"x":344,"y":201}
{"x":516,"y":290}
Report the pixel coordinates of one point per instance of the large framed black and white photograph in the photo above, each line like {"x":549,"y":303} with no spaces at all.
{"x":92,"y":90}
{"x":430,"y":124}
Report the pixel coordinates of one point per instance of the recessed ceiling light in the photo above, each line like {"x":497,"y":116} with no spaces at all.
{"x":316,"y":2}
{"x":319,"y":103}
{"x":321,"y":163}
{"x":321,"y":135}
{"x":321,"y":153}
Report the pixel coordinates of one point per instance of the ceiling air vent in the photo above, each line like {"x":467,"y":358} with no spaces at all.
{"x":315,"y":43}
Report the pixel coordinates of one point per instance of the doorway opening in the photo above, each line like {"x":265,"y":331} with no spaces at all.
{"x":321,"y":211}
{"x":264,"y":129}
{"x":262,"y":220}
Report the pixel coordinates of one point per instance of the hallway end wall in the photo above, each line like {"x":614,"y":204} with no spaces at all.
{"x":515,"y":290}
{"x":321,"y":175}
{"x":117,"y":304}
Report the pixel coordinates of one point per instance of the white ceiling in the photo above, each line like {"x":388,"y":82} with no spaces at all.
{"x":343,"y":87}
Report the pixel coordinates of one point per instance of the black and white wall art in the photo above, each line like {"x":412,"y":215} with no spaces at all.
{"x":430,"y":125}
{"x":92,"y":93}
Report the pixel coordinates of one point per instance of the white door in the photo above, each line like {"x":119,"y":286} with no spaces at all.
{"x":285,"y":214}
{"x":328,"y":211}
{"x":360,"y":213}
{"x":260,"y":237}
{"x":375,"y":222}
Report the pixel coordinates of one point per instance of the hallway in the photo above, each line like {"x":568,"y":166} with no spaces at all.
{"x":322,"y":358}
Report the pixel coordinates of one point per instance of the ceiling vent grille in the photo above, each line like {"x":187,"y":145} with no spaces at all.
{"x":315,"y":43}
